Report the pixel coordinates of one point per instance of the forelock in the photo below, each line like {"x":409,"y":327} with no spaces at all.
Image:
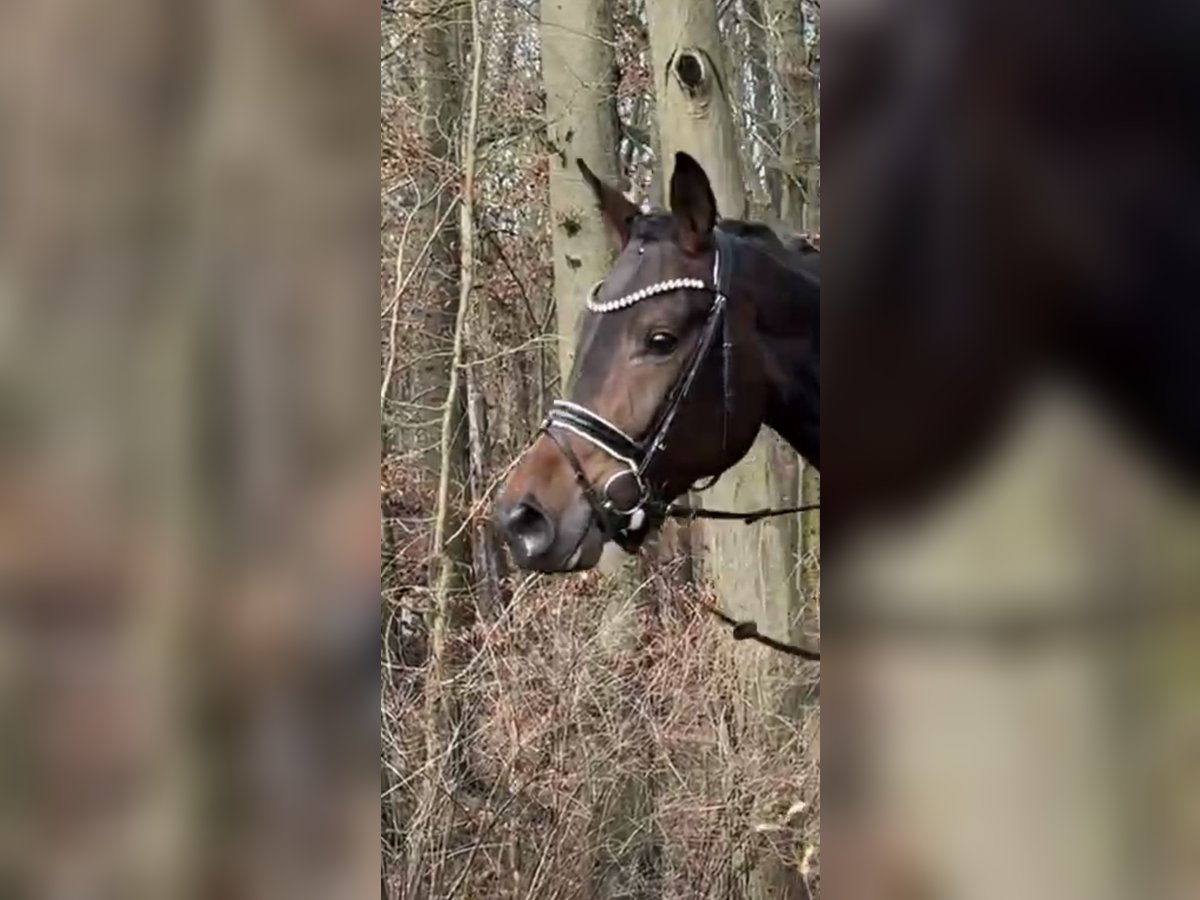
{"x":654,"y":226}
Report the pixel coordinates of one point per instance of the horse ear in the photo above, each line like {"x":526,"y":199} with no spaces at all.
{"x":692,"y":203}
{"x":616,"y":209}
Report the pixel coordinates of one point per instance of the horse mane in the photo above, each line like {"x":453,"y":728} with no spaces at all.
{"x":798,"y":253}
{"x":751,"y":230}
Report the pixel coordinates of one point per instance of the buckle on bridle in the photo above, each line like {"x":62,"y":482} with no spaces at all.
{"x":642,"y":492}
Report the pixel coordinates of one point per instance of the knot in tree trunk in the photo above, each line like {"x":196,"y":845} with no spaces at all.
{"x":692,"y":70}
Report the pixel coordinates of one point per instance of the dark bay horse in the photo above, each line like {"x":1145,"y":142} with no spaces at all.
{"x":704,"y":331}
{"x":1002,"y":219}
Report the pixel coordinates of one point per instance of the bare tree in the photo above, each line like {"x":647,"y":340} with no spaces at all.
{"x":791,"y":29}
{"x":795,"y":58}
{"x":440,"y":387}
{"x":749,"y":566}
{"x":579,"y":72}
{"x":430,"y":301}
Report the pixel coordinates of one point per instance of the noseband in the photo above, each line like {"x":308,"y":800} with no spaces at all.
{"x":625,"y":525}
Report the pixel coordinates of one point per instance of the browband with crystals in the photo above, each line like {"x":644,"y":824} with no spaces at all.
{"x":653,"y":290}
{"x":659,"y":287}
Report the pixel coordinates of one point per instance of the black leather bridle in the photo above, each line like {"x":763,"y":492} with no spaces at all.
{"x":627,"y":525}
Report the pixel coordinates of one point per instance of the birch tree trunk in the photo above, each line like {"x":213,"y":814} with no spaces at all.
{"x":579,"y":72}
{"x":751,"y":566}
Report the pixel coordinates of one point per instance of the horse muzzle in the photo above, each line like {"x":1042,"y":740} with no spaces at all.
{"x":543,"y":542}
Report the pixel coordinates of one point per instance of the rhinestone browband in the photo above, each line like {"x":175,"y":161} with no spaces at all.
{"x":651,"y":290}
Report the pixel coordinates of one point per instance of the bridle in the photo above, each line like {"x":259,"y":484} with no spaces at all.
{"x":626,"y":525}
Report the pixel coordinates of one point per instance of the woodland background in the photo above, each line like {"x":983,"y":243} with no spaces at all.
{"x":593,"y":735}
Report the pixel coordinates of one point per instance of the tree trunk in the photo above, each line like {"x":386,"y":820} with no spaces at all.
{"x":489,"y":568}
{"x":579,"y":71}
{"x":438,"y":398}
{"x":749,"y":564}
{"x":436,"y":389}
{"x":581,"y":122}
{"x":761,"y":112}
{"x":431,"y":299}
{"x":451,"y":612}
{"x":800,"y":108}
{"x":799,"y":210}
{"x":691,"y":78}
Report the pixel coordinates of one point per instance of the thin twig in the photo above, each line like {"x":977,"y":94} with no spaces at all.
{"x":402,"y":284}
{"x":491,"y":236}
{"x":390,"y":365}
{"x":393,"y":306}
{"x":467,"y":238}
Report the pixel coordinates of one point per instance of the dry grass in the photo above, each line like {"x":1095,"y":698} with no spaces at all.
{"x":587,"y":769}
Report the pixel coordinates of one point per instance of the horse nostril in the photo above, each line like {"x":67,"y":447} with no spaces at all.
{"x":529,"y":526}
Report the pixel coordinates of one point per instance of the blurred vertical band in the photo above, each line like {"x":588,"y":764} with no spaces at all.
{"x":1011,"y":214}
{"x":189,"y":625}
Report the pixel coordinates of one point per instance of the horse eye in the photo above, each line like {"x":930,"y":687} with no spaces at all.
{"x":661,"y":342}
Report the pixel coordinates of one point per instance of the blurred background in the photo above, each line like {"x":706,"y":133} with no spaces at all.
{"x":1011,"y":450}
{"x":188,"y":524}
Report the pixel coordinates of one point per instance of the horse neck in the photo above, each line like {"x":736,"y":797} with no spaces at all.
{"x":788,"y":323}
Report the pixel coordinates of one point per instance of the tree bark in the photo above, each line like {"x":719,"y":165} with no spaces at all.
{"x":489,"y":568}
{"x":749,"y":565}
{"x":449,"y":611}
{"x":579,"y":71}
{"x":437,"y":396}
{"x":691,"y":81}
{"x":440,"y":395}
{"x":430,"y":301}
{"x":799,"y":208}
{"x":581,"y":122}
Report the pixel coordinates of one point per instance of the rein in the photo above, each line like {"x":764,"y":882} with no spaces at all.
{"x":682,"y":511}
